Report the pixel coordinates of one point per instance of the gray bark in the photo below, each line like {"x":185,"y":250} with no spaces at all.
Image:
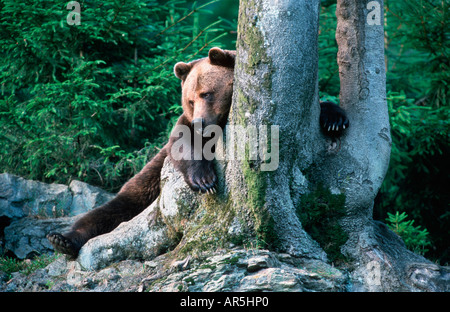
{"x":276,"y":84}
{"x":365,"y":156}
{"x":381,"y":261}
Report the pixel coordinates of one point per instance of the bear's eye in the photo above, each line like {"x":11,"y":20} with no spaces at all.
{"x":206,"y":95}
{"x":191,"y":103}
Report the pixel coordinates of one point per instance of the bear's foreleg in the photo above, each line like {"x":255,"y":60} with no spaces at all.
{"x":136,"y":195}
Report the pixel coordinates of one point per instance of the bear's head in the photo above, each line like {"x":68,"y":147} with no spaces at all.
{"x":207,"y":87}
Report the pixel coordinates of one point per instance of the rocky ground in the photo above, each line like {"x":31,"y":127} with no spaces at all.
{"x":242,"y":270}
{"x":134,"y":257}
{"x":30,"y":209}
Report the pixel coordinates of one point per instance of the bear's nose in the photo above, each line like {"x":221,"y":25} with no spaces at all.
{"x":198,"y":124}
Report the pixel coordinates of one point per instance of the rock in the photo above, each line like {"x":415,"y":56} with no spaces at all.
{"x":20,"y":198}
{"x":225,"y":282}
{"x":57,"y":267}
{"x":76,"y":277}
{"x":271,"y":279}
{"x":86,"y":197}
{"x":31,"y":209}
{"x":26,"y":237}
{"x":260,"y":262}
{"x":143,"y":237}
{"x":227,"y":271}
{"x":212,"y":271}
{"x":144,"y":254}
{"x":3,"y":277}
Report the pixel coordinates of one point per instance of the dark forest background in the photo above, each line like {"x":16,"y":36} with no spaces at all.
{"x":95,"y":101}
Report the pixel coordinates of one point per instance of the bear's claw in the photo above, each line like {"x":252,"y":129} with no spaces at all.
{"x":333,"y":119}
{"x":203,"y":181}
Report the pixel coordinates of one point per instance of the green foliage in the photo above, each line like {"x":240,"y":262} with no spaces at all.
{"x":415,"y":239}
{"x":320,"y":212}
{"x":92,"y":101}
{"x":329,"y":83}
{"x":418,"y":133}
{"x":11,"y":265}
{"x":418,"y":48}
{"x":417,"y":181}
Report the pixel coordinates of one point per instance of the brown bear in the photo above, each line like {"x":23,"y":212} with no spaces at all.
{"x":207,"y":86}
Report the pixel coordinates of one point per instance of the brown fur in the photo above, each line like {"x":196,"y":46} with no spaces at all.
{"x":207,"y":86}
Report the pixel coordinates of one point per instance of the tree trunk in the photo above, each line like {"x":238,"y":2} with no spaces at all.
{"x":276,"y":85}
{"x":379,"y":258}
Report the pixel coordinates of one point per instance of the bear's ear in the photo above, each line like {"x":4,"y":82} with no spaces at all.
{"x":221,"y":57}
{"x":181,"y":70}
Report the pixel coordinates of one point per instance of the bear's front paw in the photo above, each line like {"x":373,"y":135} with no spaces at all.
{"x":333,"y":119}
{"x":202,"y":178}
